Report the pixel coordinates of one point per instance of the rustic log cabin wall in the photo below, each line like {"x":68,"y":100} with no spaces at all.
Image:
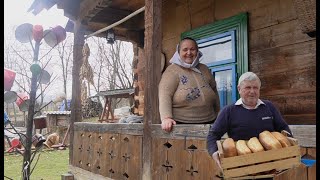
{"x":138,"y":81}
{"x":279,"y":52}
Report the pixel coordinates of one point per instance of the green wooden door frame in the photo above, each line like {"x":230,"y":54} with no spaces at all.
{"x":240,"y":24}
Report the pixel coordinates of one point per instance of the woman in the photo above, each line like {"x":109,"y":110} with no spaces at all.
{"x":187,"y":90}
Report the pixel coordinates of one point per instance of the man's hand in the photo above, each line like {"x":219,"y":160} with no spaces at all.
{"x":167,"y":123}
{"x":216,"y":158}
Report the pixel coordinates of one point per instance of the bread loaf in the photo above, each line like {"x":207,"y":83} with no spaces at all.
{"x":229,"y":147}
{"x":268,"y":141}
{"x":282,"y":139}
{"x":254,"y":145}
{"x":242,"y":147}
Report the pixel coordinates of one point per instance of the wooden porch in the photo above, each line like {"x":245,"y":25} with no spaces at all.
{"x":115,"y":151}
{"x":282,"y":55}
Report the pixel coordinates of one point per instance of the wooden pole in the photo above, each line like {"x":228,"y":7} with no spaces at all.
{"x":153,"y":40}
{"x":76,"y":85}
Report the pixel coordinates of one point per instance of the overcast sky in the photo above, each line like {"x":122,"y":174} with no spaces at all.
{"x":15,"y":13}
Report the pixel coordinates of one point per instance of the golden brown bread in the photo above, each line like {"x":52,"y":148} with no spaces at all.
{"x":254,"y":145}
{"x":282,"y":139}
{"x":268,"y":141}
{"x":242,"y":147}
{"x":229,"y":147}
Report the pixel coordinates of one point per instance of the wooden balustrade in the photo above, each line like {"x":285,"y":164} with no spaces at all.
{"x":115,"y":151}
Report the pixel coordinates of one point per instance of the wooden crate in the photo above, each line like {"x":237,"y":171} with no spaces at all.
{"x":251,"y":164}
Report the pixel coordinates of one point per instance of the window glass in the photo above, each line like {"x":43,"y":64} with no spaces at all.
{"x":225,"y":86}
{"x":216,"y":50}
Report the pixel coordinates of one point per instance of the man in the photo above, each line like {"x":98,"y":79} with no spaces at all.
{"x":247,"y":118}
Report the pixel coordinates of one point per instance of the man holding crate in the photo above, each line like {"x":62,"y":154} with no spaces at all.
{"x":247,"y":118}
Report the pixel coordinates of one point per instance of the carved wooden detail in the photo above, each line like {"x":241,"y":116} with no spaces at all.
{"x":111,"y":155}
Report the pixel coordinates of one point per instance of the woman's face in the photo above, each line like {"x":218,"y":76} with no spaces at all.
{"x":188,"y":51}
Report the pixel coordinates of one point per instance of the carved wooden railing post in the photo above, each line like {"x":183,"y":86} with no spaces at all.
{"x":76,"y":88}
{"x":153,"y":40}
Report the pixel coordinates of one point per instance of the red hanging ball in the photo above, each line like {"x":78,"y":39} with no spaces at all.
{"x":37,"y":33}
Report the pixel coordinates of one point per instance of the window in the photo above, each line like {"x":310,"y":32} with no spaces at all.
{"x":224,"y":45}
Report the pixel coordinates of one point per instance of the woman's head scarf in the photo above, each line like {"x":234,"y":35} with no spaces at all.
{"x":177,"y":60}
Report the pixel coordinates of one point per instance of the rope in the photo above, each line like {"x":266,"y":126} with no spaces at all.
{"x":117,"y":23}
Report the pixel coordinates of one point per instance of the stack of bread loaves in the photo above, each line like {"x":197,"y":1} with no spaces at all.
{"x":267,"y":141}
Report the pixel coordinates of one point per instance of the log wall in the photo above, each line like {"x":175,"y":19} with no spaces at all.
{"x":279,"y":52}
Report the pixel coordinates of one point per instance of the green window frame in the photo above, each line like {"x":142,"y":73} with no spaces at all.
{"x":238,"y":24}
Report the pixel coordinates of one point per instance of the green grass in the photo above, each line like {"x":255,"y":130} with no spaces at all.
{"x":51,"y":165}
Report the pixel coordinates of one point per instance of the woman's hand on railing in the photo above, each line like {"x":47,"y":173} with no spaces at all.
{"x":166,"y":124}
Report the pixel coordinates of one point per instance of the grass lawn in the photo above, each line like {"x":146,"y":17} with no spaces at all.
{"x":51,"y":165}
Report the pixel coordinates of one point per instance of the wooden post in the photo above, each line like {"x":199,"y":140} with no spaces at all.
{"x":76,"y":85}
{"x":153,"y":40}
{"x":67,"y":176}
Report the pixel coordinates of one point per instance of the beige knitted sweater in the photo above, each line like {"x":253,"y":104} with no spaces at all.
{"x":188,"y":96}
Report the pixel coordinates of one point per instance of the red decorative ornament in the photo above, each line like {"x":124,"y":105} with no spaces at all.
{"x":9,"y":77}
{"x":37,"y":33}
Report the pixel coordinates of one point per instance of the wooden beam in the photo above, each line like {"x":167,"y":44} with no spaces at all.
{"x":136,"y":23}
{"x":70,"y":8}
{"x":80,"y":173}
{"x":152,"y":45}
{"x":121,"y":128}
{"x":76,"y":109}
{"x":89,"y":8}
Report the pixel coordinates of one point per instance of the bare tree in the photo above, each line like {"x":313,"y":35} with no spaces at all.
{"x":112,"y":65}
{"x":65,"y":51}
{"x":33,"y":77}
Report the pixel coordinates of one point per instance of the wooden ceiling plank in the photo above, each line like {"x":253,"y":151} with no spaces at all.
{"x":88,"y":8}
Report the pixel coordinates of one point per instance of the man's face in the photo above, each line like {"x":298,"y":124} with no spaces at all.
{"x":249,"y":92}
{"x":188,"y":51}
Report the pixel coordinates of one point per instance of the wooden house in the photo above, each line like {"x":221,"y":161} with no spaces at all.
{"x":273,"y":38}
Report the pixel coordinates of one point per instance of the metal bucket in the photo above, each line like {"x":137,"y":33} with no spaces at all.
{"x":23,"y":33}
{"x":23,"y":101}
{"x":54,"y":36}
{"x":38,"y":140}
{"x":10,"y":96}
{"x":60,"y":32}
{"x":44,"y":77}
{"x":9,"y":77}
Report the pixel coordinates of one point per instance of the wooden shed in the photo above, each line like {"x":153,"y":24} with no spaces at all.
{"x":58,"y":122}
{"x":273,"y":38}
